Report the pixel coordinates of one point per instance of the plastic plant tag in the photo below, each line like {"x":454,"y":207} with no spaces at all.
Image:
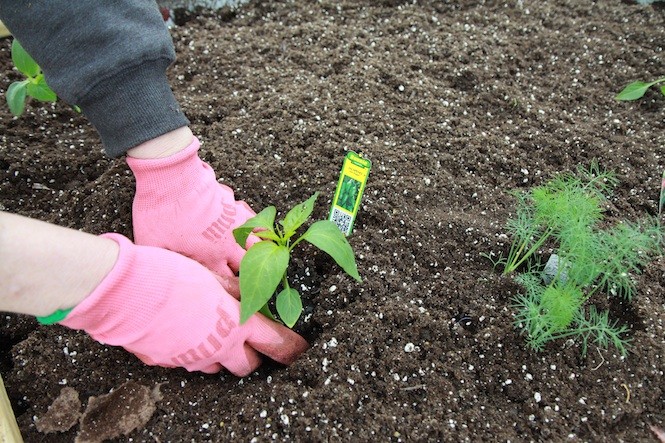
{"x":349,"y":192}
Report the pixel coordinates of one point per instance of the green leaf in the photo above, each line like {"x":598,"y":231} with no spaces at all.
{"x":662,"y":89}
{"x":23,"y":61}
{"x":289,"y":306}
{"x":41,"y":91}
{"x":268,"y":235}
{"x":261,"y":270}
{"x":265,"y":310}
{"x":326,"y":236}
{"x":16,"y":94}
{"x":298,"y":215}
{"x":634,"y":91}
{"x":264,"y":219}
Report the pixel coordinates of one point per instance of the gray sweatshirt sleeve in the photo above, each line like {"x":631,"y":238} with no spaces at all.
{"x":109,"y":57}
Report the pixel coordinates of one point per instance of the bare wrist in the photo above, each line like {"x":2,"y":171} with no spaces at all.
{"x":163,"y":146}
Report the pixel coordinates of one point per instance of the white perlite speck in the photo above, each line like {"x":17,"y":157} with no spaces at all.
{"x":409,"y":347}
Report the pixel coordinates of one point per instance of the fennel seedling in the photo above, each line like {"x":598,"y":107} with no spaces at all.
{"x":565,"y":214}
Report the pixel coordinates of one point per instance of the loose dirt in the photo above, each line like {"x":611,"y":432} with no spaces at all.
{"x":456,"y":104}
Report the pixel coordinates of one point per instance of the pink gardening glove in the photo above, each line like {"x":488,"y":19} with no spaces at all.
{"x":171,"y":311}
{"x":179,"y":205}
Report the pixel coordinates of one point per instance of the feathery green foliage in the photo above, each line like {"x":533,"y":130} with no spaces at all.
{"x":565,"y":208}
{"x":566,"y":212}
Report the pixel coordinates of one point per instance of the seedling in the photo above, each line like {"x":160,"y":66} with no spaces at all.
{"x":33,"y":86}
{"x":565,"y":214}
{"x":565,"y":207}
{"x":264,"y":266}
{"x":637,"y":89}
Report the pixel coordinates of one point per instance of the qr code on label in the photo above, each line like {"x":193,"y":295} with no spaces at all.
{"x":342,"y":220}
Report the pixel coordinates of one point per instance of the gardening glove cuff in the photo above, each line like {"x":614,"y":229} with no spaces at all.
{"x":171,"y":311}
{"x":179,"y":205}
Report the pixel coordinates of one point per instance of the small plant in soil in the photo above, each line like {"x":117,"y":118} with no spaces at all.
{"x":264,"y":267}
{"x":590,"y":258}
{"x":637,"y":89}
{"x":33,"y":86}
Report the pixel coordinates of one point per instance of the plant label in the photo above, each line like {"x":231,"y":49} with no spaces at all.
{"x":349,"y":192}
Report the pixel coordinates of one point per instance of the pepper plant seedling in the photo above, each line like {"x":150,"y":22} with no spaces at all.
{"x":565,"y":214}
{"x":637,"y":89}
{"x":33,"y":86}
{"x":264,"y":266}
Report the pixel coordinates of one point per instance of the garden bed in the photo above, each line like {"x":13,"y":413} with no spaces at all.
{"x":456,"y":104}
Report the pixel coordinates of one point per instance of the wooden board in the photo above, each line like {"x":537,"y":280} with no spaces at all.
{"x":4,"y":32}
{"x":9,"y":432}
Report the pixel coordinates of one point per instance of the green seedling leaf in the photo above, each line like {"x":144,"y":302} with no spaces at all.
{"x":263,"y":220}
{"x":265,"y":310}
{"x":261,"y":270}
{"x":637,"y":89}
{"x":23,"y":61}
{"x":34,"y":86}
{"x":289,"y":306}
{"x":16,"y":94}
{"x":41,"y":91}
{"x":298,"y":215}
{"x":634,"y":91}
{"x":267,"y":235}
{"x":326,"y":236}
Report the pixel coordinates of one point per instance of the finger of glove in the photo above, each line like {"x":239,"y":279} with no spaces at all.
{"x":245,"y":210}
{"x":235,"y":252}
{"x":251,"y":240}
{"x":212,"y":369}
{"x":145,"y":359}
{"x":149,"y":361}
{"x":274,"y":340}
{"x":244,"y":362}
{"x":231,"y":284}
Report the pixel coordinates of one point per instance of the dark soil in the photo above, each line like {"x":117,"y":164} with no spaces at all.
{"x":456,"y":104}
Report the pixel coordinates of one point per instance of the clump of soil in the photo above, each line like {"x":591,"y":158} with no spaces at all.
{"x":118,"y":413}
{"x":456,"y":104}
{"x":63,"y":414}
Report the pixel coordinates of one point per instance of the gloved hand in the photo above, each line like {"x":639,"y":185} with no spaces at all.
{"x":179,"y":205}
{"x":171,"y":311}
